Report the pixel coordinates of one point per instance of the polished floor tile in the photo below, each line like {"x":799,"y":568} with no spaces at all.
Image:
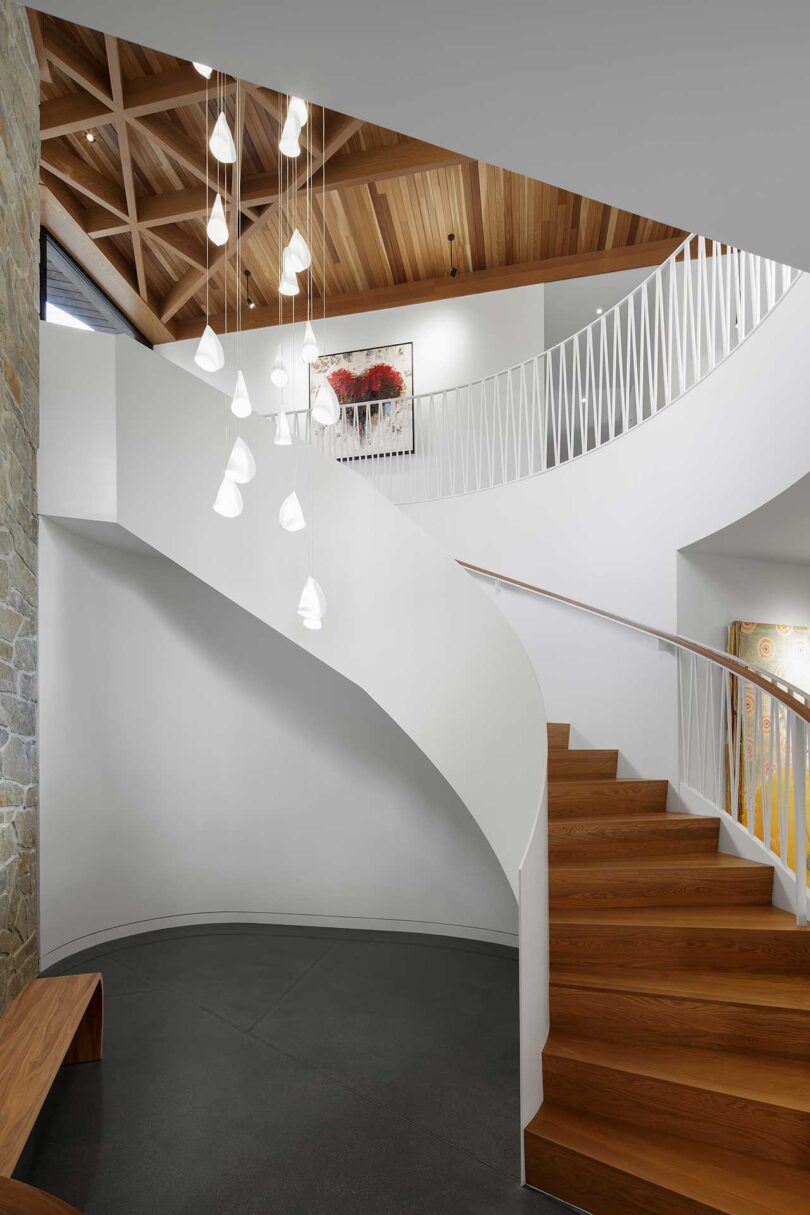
{"x":380,"y":1079}
{"x":430,"y":1034}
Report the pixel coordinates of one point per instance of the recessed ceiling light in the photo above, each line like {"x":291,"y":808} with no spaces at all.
{"x":599,"y":311}
{"x":90,"y":136}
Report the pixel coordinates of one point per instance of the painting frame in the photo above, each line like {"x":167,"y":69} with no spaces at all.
{"x":348,"y":356}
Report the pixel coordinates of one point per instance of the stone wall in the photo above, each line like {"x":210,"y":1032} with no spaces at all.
{"x":19,"y":407}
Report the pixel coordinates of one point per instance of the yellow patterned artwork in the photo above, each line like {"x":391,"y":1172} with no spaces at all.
{"x":782,"y":650}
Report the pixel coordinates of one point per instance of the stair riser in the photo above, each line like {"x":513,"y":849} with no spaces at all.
{"x":597,"y":1187}
{"x":584,"y":799}
{"x":685,"y":887}
{"x":558,"y":735}
{"x":572,"y":841}
{"x":582,"y":765}
{"x":606,"y":945}
{"x":636,"y":1017}
{"x":727,"y":1121}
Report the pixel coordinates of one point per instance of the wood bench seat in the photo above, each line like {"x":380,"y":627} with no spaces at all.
{"x":16,"y":1198}
{"x":51,"y":1022}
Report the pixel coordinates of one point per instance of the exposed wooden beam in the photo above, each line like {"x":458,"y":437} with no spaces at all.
{"x":167,"y":91}
{"x":61,"y":215}
{"x":551,"y":270}
{"x":125,"y":154}
{"x":75,"y":62}
{"x":76,"y":112}
{"x":36,"y":25}
{"x":351,"y":169}
{"x":84,"y":178}
{"x":191,"y":282}
{"x":378,"y":164}
{"x":179,"y":242}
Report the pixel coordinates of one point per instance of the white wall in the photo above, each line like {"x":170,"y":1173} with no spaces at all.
{"x":454,"y":341}
{"x":196,"y":762}
{"x":714,"y":589}
{"x":570,"y":305}
{"x":606,"y":529}
{"x":403,"y":621}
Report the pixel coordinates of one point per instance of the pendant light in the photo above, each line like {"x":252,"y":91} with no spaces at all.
{"x":279,"y":375}
{"x":228,"y":502}
{"x":298,"y":107}
{"x":240,"y":402}
{"x":288,"y":283}
{"x":283,"y":436}
{"x":203,"y":69}
{"x":309,"y":350}
{"x":312,"y":604}
{"x":217,"y":227}
{"x":241,"y":464}
{"x":210,"y":356}
{"x":221,"y":142}
{"x":299,"y":257}
{"x":290,"y":515}
{"x":288,"y":145}
{"x":326,"y":407}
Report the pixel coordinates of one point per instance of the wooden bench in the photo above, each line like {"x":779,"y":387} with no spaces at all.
{"x":19,"y":1199}
{"x":51,"y":1022}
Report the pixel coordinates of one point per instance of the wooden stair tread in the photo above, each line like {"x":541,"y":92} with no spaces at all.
{"x":734,"y":1183}
{"x":710,"y":918}
{"x":772,"y":990}
{"x":655,"y":817}
{"x":784,"y":1083}
{"x":712,"y":860}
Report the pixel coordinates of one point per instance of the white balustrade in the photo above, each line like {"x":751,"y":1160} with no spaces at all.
{"x":621,"y":370}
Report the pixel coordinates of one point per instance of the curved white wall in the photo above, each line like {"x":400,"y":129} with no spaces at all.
{"x":198,"y":765}
{"x":404,"y":623}
{"x":607,"y":528}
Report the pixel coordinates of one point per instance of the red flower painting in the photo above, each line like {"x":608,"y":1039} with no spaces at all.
{"x":373,"y":387}
{"x":379,"y":383}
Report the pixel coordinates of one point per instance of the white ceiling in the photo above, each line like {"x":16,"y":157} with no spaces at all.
{"x":777,"y":531}
{"x":693,"y":113}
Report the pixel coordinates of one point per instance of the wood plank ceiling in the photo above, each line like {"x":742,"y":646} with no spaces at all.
{"x":131,"y":205}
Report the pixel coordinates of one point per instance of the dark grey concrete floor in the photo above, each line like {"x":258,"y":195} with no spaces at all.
{"x":251,"y":1069}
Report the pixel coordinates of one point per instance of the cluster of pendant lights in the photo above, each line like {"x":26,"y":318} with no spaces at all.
{"x":296,"y":259}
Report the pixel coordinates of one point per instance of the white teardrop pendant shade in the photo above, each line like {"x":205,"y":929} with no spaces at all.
{"x":279,"y":376}
{"x":283,"y":436}
{"x":288,"y":145}
{"x":288,"y":283}
{"x":240,"y":402}
{"x":217,"y":227}
{"x":299,"y":107}
{"x":312,"y":604}
{"x":210,"y":356}
{"x":241,"y":464}
{"x":290,"y":515}
{"x":309,"y":350}
{"x":221,"y":142}
{"x":299,"y":257}
{"x":203,"y":69}
{"x":326,"y":407}
{"x":228,"y":501}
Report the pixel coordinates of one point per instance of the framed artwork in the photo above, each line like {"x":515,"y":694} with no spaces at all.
{"x":781,"y":649}
{"x":376,"y":387}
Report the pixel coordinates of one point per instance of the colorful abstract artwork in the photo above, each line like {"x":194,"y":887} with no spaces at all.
{"x":375,"y":391}
{"x":782,"y":650}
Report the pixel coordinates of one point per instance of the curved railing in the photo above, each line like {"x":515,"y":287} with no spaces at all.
{"x":619,"y":371}
{"x":743,"y":739}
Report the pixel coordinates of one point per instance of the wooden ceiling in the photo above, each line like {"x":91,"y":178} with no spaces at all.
{"x":131,"y":206}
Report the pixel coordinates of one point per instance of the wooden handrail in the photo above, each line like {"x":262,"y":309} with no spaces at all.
{"x":752,"y":674}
